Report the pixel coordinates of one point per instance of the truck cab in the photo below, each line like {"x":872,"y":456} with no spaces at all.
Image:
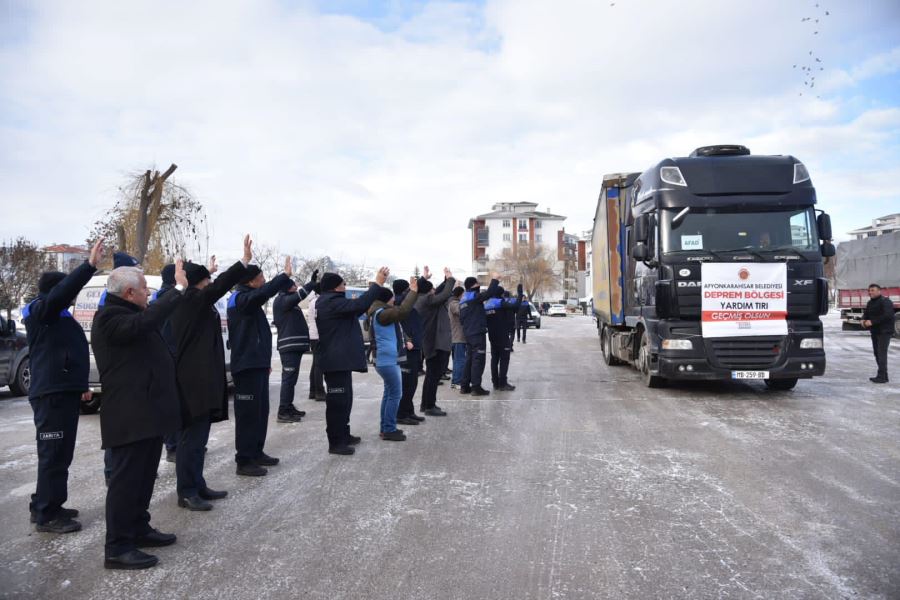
{"x":710,"y":267}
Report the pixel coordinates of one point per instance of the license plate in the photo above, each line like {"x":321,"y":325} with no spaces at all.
{"x":749,"y":374}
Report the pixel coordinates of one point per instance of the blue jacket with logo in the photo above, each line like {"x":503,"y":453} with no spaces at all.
{"x":57,"y":346}
{"x":249,"y":335}
{"x":471,"y":309}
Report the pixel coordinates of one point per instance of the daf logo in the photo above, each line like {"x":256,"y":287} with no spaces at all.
{"x":802,"y":282}
{"x":684,"y":272}
{"x":688,"y":284}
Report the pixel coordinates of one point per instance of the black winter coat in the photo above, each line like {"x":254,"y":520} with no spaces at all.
{"x":341,"y":345}
{"x":57,"y":347}
{"x":293,"y":331}
{"x":166,"y":329}
{"x":471,"y":309}
{"x":196,"y":329}
{"x":137,"y":370}
{"x":433,"y":308}
{"x":249,"y":334}
{"x":881,"y":312}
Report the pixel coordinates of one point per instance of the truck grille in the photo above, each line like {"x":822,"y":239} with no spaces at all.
{"x":750,"y":353}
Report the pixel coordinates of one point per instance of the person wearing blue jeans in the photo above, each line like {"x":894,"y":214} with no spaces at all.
{"x":458,"y":339}
{"x":390,"y":352}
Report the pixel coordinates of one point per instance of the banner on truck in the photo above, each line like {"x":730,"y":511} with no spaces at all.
{"x":744,"y":299}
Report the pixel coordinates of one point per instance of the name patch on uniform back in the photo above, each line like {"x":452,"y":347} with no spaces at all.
{"x":243,"y":396}
{"x":50,"y":435}
{"x":336,"y":391}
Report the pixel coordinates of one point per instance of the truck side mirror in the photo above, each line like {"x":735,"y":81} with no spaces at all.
{"x":641,"y":229}
{"x":823,"y":222}
{"x":640,"y":251}
{"x":828,"y":249}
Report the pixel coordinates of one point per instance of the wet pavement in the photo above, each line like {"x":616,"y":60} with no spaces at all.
{"x":580,"y":484}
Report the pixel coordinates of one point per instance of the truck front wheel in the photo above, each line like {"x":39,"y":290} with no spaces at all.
{"x":645,"y":364}
{"x":782,"y":385}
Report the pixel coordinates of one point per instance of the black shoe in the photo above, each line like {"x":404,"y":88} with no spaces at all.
{"x":407,"y":421}
{"x":505,"y":388}
{"x":59,"y":525}
{"x":417,"y":418}
{"x":265,"y":460}
{"x":208,"y":494}
{"x":345,"y":450}
{"x":353,"y":440}
{"x":133,"y":559}
{"x":480,"y":391}
{"x":440,"y":382}
{"x":878,"y":380}
{"x":286,"y":416}
{"x":155,"y":539}
{"x":465,"y":390}
{"x":435,"y":412}
{"x":64,"y":513}
{"x":251,"y":470}
{"x":170,"y":456}
{"x":393,"y":436}
{"x":299,"y":413}
{"x":445,"y":377}
{"x":195,"y":503}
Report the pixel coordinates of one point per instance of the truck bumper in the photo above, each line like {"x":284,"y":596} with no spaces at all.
{"x":804,"y":367}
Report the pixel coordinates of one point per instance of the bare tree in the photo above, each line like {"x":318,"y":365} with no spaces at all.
{"x":269,"y":259}
{"x":534,"y":265}
{"x":304,"y":267}
{"x":155,"y":219}
{"x":21,"y":264}
{"x":356,"y":276}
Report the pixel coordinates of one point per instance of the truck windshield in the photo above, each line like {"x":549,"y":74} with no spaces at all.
{"x":719,"y":229}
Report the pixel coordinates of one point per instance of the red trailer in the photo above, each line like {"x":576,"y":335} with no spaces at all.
{"x":861,"y":262}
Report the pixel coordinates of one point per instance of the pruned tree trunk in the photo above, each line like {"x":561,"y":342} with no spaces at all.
{"x":149,"y":206}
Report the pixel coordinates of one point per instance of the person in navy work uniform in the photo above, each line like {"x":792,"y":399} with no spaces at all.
{"x":60,"y":367}
{"x":251,"y":363}
{"x":341,"y":351}
{"x":474,"y":322}
{"x":140,"y":406}
{"x":878,"y":318}
{"x":168,"y":284}
{"x":497,"y":310}
{"x":293,"y":343}
{"x":200,"y":370}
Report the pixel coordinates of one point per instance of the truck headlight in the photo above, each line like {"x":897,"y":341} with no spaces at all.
{"x":811,"y":343}
{"x":677,"y":345}
{"x":672,"y":176}
{"x":800,"y":173}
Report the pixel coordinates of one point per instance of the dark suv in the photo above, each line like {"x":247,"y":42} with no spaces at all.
{"x":14,"y":370}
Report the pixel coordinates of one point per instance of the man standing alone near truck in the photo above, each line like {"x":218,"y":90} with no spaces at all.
{"x":878,"y":318}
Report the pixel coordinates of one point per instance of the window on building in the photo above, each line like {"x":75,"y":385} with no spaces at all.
{"x":523,"y":237}
{"x":506,"y":223}
{"x":538,"y":238}
{"x":507,"y":237}
{"x":523,"y":225}
{"x":537,"y":224}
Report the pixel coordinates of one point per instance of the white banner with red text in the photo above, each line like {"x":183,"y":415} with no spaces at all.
{"x":744,"y":299}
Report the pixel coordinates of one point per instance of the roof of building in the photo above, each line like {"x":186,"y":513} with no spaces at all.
{"x":507,"y":214}
{"x":66,"y":249}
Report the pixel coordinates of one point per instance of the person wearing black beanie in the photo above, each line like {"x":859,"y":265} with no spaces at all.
{"x":168,"y":284}
{"x":437,"y":339}
{"x":474,"y":322}
{"x":341,"y":351}
{"x":414,"y":328}
{"x":200,"y":372}
{"x":293,"y":343}
{"x":457,"y":339}
{"x":60,"y":365}
{"x":250,"y":337}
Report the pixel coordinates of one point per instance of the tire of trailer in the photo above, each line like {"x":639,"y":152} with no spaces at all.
{"x":606,"y":346}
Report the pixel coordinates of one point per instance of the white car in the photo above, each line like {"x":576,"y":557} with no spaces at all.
{"x":556,"y":310}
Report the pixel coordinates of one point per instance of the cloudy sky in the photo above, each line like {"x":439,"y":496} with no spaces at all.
{"x":373,"y":131}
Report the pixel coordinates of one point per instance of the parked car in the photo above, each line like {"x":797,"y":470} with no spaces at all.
{"x":534,"y":317}
{"x":557,"y":310}
{"x":14,"y":366}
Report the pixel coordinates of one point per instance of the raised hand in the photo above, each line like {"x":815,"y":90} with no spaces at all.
{"x":96,"y":252}
{"x":495,"y":275}
{"x":413,"y":284}
{"x":382,"y":275}
{"x":213,"y":265}
{"x":180,"y":276}
{"x":248,"y":249}
{"x":315,"y":276}
{"x":447,"y":273}
{"x":426,"y":273}
{"x":288,"y":266}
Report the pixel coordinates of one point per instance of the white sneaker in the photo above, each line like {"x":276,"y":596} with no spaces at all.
{"x":454,"y":386}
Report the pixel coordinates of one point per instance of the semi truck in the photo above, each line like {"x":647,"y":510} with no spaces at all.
{"x":860,"y":262}
{"x":710,"y":267}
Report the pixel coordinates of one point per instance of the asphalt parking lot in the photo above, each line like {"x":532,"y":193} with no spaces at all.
{"x":580,"y":484}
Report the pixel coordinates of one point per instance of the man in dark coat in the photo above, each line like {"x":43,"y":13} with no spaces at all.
{"x":879,"y":319}
{"x":498,"y":310}
{"x":200,"y":368}
{"x":474,"y":322}
{"x":168,"y":284}
{"x":432,"y":305}
{"x":414,"y":329}
{"x":522,"y":320}
{"x":140,"y":406}
{"x":293,"y":343}
{"x":58,"y":351}
{"x":341,"y":351}
{"x":250,"y":337}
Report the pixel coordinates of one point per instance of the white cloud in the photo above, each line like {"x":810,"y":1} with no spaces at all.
{"x":325,"y":133}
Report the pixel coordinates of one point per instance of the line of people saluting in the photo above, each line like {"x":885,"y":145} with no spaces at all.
{"x":161,"y":362}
